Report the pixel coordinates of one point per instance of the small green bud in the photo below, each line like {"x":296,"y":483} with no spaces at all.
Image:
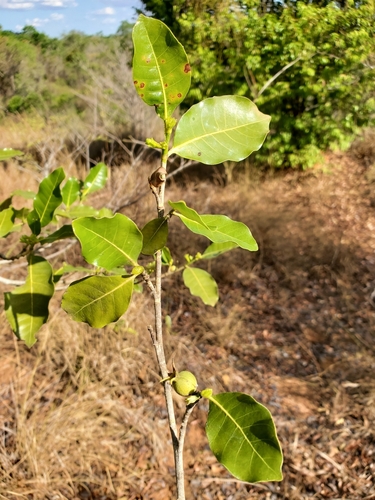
{"x":137,"y":270}
{"x":153,"y":144}
{"x":206,"y":393}
{"x":184,"y":383}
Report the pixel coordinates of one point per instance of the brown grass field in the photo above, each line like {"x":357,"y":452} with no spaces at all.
{"x":82,"y":414}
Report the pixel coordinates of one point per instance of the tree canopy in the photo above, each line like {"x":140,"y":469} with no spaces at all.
{"x":310,"y":65}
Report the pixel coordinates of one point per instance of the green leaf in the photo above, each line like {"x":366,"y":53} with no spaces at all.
{"x":71,"y":191}
{"x":62,"y":233}
{"x":6,"y":203}
{"x":34,"y":222}
{"x":188,"y":213}
{"x":78,"y":211}
{"x":26,"y":307}
{"x":7,"y":153}
{"x":109,"y":242}
{"x":220,"y":129}
{"x":242,"y":436}
{"x":225,"y":229}
{"x":6,"y":221}
{"x":96,"y":179}
{"x":67,"y":268}
{"x":49,"y":196}
{"x":161,"y":70}
{"x":166,"y":257}
{"x":155,"y":235}
{"x":98,"y":300}
{"x":216,"y":249}
{"x":28,"y":195}
{"x":201,"y":284}
{"x":217,"y":228}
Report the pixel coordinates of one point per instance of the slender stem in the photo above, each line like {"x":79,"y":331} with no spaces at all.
{"x":157,"y":336}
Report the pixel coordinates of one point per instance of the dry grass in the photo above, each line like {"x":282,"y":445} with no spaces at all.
{"x":83,"y":415}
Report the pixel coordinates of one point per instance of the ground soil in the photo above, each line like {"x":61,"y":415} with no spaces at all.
{"x":294,"y":328}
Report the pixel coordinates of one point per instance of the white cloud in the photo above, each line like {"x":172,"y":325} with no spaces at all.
{"x":36,"y":22}
{"x":16,"y":5}
{"x":56,"y":17}
{"x":107,"y":11}
{"x":21,"y":5}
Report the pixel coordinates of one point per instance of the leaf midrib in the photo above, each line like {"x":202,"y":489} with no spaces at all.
{"x":160,"y":75}
{"x":112,"y":291}
{"x":215,"y":401}
{"x":210,"y":134}
{"x":132,"y":261}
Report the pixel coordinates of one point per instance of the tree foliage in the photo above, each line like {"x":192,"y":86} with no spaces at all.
{"x":310,"y":65}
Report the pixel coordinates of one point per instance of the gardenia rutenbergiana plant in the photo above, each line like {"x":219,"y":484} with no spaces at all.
{"x":240,"y":431}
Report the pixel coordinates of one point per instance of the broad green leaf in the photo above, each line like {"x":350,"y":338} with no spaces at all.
{"x":6,"y":221}
{"x":6,"y":203}
{"x":155,"y":235}
{"x":71,"y":191}
{"x":242,"y":436}
{"x":216,"y":249}
{"x":27,"y":306}
{"x":220,"y":129}
{"x":161,"y":70}
{"x":188,"y":213}
{"x":7,"y":153}
{"x":105,"y":212}
{"x":33,"y":221}
{"x":225,"y":229}
{"x":217,"y":228}
{"x":95,"y":180}
{"x":49,"y":196}
{"x":62,"y":233}
{"x":28,"y":195}
{"x":201,"y":284}
{"x":109,"y":242}
{"x":78,"y":211}
{"x":98,"y":300}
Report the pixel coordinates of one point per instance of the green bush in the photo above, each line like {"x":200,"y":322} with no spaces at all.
{"x":15,"y":104}
{"x":321,"y":52}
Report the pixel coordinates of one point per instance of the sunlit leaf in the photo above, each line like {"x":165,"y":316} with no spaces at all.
{"x":26,"y":307}
{"x":201,"y":284}
{"x":6,"y":221}
{"x":217,"y":228}
{"x":98,"y":300}
{"x":7,"y":153}
{"x":28,"y":195}
{"x":216,"y":249}
{"x":219,"y":129}
{"x":77,"y":211}
{"x":242,"y":436}
{"x":49,"y":196}
{"x":109,"y":242}
{"x":95,"y":180}
{"x":155,"y":235}
{"x":161,"y":71}
{"x":71,"y":191}
{"x":62,"y":233}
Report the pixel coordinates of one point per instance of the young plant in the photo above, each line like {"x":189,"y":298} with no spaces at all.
{"x":240,"y":431}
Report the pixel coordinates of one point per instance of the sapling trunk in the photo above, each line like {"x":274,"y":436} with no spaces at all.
{"x":157,"y":184}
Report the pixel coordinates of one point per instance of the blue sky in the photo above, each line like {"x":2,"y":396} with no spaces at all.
{"x":55,"y":17}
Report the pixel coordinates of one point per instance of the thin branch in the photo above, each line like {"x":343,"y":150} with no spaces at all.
{"x":184,"y":165}
{"x":271,"y":80}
